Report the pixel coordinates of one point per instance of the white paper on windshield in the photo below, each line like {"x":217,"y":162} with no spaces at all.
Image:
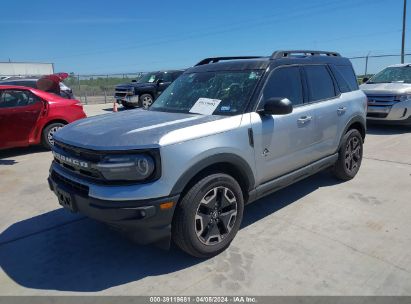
{"x":205,"y":106}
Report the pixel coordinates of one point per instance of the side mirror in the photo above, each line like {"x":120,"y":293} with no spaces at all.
{"x":365,"y":79}
{"x":159,"y":81}
{"x":133,"y":80}
{"x":277,"y":106}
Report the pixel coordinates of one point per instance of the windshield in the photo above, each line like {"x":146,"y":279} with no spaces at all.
{"x":393,"y":74}
{"x":228,"y":91}
{"x":150,"y":77}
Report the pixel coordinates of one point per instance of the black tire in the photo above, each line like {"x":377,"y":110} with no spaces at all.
{"x":47,"y":135}
{"x":127,"y":105}
{"x":349,"y":156}
{"x":145,"y":101}
{"x":186,"y":226}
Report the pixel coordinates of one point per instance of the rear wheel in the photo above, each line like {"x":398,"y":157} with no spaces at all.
{"x":349,"y":156}
{"x":208,"y":216}
{"x":48,"y":133}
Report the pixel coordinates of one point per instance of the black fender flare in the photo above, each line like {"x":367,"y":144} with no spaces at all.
{"x":228,"y":158}
{"x":356,"y":119}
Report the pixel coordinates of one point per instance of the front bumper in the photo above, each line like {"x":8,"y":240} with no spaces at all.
{"x":395,"y":113}
{"x":127,"y":97}
{"x":143,"y":220}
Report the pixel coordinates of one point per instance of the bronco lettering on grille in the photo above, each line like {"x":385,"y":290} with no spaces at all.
{"x":70,"y":160}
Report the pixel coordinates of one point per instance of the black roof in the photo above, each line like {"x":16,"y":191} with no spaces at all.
{"x":260,"y":62}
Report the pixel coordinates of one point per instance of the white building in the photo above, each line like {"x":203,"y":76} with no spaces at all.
{"x":25,"y":68}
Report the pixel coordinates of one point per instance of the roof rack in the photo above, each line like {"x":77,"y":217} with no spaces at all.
{"x":217,"y":59}
{"x":283,"y":54}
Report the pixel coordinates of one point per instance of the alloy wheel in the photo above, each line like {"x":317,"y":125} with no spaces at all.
{"x":147,"y":101}
{"x":353,"y":154}
{"x":216,"y":215}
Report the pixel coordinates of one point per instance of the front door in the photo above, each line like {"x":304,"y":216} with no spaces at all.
{"x":19,"y":112}
{"x":284,"y":143}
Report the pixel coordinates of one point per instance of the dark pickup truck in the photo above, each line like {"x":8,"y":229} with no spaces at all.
{"x":144,"y":91}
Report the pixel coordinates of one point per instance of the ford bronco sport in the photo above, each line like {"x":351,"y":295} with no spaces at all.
{"x":227,"y":132}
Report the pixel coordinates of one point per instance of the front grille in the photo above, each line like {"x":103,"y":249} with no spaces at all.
{"x":91,"y":157}
{"x":381,"y":100}
{"x":84,"y":154}
{"x":72,"y":185}
{"x":122,"y":90}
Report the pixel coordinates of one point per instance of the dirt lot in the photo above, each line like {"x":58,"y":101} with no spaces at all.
{"x":316,"y":237}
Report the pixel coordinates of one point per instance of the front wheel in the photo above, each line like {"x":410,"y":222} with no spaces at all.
{"x":48,"y":133}
{"x":349,"y":156}
{"x":208,"y":216}
{"x":146,"y":100}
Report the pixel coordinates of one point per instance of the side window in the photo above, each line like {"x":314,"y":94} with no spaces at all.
{"x":166,"y":77}
{"x":342,"y":84}
{"x":320,"y":83}
{"x":285,"y":82}
{"x":348,"y":74}
{"x":16,"y":98}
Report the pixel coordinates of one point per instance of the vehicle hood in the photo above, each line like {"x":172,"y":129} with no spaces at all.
{"x":140,"y":129}
{"x":128,"y":86}
{"x":386,"y":88}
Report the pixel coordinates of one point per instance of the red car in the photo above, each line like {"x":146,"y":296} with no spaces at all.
{"x":30,"y":116}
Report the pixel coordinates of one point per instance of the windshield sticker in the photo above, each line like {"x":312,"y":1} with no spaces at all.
{"x":205,"y":106}
{"x":225,"y":108}
{"x":253,"y":75}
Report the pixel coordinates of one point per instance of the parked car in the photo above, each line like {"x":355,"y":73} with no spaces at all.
{"x":227,"y":132}
{"x":29,"y":116}
{"x":32,"y":82}
{"x":142,"y":92}
{"x":389,"y":95}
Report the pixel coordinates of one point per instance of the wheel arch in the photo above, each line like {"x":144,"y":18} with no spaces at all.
{"x":358,"y":123}
{"x":230,"y":164}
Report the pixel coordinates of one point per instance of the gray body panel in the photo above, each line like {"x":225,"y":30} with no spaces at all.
{"x":128,"y":130}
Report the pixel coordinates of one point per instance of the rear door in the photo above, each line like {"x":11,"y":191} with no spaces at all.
{"x":19,"y":112}
{"x":284,"y":143}
{"x":328,"y":107}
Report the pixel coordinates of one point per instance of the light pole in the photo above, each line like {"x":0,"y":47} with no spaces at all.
{"x":403,"y":31}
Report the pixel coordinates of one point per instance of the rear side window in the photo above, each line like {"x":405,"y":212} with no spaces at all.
{"x":320,"y":83}
{"x":346,"y":79}
{"x":285,"y":82}
{"x":16,"y":98}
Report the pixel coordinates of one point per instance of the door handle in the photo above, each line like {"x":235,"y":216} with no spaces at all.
{"x":303,"y":120}
{"x":341,"y":110}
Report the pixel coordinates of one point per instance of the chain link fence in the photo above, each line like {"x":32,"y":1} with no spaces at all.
{"x":100,"y":88}
{"x":370,"y":64}
{"x":97,"y":88}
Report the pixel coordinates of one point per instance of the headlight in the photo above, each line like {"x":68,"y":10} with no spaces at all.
{"x":406,"y":97}
{"x":127,"y":167}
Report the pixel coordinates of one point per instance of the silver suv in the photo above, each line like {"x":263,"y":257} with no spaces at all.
{"x":227,"y":132}
{"x":389,"y":95}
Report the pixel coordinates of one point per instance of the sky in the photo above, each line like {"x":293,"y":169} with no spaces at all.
{"x":100,"y":37}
